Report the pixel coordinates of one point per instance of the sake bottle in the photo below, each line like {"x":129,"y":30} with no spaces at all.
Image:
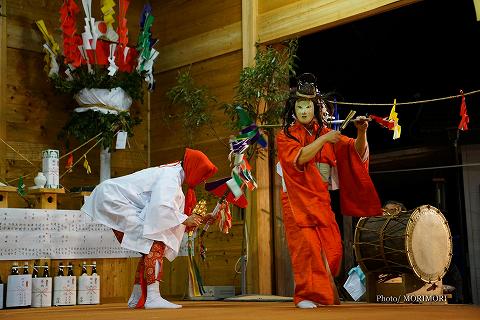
{"x":35,"y":270}
{"x":60,"y":270}
{"x":84,"y":268}
{"x":25,"y":267}
{"x":94,"y":267}
{"x":70,"y":269}
{"x":14,"y":270}
{"x":46,"y":274}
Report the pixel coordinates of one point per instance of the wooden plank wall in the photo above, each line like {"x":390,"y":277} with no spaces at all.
{"x":193,"y":29}
{"x":32,"y":116}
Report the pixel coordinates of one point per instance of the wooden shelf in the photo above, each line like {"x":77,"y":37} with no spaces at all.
{"x":47,"y":197}
{"x":46,"y":190}
{"x":4,"y":191}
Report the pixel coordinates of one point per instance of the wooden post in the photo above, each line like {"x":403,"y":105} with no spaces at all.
{"x":249,"y":31}
{"x":348,"y":259}
{"x":259,"y":273}
{"x":3,"y":73}
{"x":284,"y":285}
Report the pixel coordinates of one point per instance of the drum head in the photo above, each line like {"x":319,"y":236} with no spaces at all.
{"x":428,"y":243}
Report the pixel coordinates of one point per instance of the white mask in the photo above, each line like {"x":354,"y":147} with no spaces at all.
{"x":304,"y":111}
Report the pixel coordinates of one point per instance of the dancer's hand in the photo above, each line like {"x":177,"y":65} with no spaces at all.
{"x":209,"y":218}
{"x":193,"y":221}
{"x":361,"y":123}
{"x":332,"y":136}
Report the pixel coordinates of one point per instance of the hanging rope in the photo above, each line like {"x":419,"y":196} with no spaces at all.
{"x":427,"y":168}
{"x":81,"y":146}
{"x":404,"y":103}
{"x":18,"y":153}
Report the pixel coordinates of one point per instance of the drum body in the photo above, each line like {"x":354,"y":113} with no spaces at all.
{"x":416,"y":241}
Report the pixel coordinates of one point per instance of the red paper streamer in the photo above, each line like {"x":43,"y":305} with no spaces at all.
{"x":463,"y":113}
{"x":71,"y":40}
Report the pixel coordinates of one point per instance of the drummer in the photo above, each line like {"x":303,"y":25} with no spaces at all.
{"x":393,"y":207}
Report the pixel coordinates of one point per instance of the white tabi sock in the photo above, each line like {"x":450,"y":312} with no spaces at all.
{"x":155,"y":300}
{"x":306,"y":304}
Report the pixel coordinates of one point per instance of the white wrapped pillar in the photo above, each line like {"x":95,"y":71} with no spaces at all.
{"x":105,"y":158}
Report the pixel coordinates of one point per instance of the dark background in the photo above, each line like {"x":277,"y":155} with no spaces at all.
{"x":423,"y":51}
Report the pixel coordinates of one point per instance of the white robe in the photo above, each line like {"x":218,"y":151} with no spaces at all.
{"x":146,"y":205}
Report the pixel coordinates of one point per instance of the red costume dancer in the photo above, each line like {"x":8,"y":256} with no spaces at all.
{"x":149,"y":213}
{"x":312,"y":159}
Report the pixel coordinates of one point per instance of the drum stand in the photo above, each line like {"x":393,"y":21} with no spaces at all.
{"x":406,"y":288}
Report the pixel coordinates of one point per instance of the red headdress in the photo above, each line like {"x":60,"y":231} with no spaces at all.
{"x":198,"y":168}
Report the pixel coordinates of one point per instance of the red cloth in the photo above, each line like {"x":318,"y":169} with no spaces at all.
{"x":358,"y":196}
{"x":305,"y":245}
{"x":309,"y":221}
{"x":308,"y":195}
{"x":309,"y":198}
{"x":198,"y":168}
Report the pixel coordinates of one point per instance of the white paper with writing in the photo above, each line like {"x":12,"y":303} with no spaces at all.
{"x":55,"y":234}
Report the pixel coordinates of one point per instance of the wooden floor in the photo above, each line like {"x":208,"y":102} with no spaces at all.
{"x":212,"y":310}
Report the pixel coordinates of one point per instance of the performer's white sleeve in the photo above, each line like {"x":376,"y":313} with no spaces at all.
{"x":165,"y":209}
{"x":280,"y":173}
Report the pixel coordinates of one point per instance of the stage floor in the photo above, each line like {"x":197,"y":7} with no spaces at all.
{"x":212,"y":310}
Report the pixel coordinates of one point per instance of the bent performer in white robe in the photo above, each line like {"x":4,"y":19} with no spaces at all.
{"x":149,"y":213}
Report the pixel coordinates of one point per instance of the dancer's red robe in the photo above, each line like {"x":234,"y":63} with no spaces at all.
{"x":309,"y":220}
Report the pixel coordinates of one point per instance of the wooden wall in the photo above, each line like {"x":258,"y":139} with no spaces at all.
{"x":186,"y":29}
{"x":32,"y":114}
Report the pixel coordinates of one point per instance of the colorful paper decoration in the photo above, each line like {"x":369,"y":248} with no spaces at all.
{"x":86,"y":165}
{"x":384,"y":122}
{"x":390,"y":122}
{"x":21,"y":187}
{"x":108,"y":11}
{"x":463,"y":125}
{"x":397,"y":129}
{"x":99,"y":44}
{"x":194,"y":277}
{"x":69,"y":164}
{"x":71,"y":40}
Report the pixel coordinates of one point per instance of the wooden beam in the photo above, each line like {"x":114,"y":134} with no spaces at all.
{"x":201,"y":47}
{"x":307,"y":16}
{"x":249,"y":31}
{"x":476,"y":3}
{"x":3,"y":84}
{"x":295,"y":19}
